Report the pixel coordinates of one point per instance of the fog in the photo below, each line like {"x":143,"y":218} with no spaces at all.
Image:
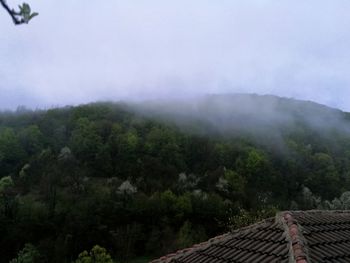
{"x":77,"y":51}
{"x":269,"y":121}
{"x":227,"y":113}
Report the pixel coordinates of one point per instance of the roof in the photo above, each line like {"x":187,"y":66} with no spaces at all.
{"x":292,"y":236}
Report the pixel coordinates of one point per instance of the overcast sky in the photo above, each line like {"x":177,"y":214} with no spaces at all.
{"x":79,"y":51}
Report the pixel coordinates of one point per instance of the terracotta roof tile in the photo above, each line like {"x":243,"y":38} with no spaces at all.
{"x":262,"y":242}
{"x":293,"y":236}
{"x":326,"y":233}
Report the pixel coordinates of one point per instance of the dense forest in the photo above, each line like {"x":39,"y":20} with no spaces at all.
{"x":134,"y":181}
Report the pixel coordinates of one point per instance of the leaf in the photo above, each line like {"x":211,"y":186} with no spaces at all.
{"x":33,"y":15}
{"x":26,"y":8}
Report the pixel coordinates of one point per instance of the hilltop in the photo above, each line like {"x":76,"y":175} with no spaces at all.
{"x":245,"y":113}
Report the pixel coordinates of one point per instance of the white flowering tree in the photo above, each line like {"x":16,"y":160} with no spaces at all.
{"x":345,"y":199}
{"x":127,"y":188}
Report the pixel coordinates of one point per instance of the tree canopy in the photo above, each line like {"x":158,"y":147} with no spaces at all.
{"x":140,"y":187}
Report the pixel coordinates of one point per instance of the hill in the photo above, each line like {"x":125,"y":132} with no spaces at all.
{"x":246,"y":113}
{"x":143,"y":179}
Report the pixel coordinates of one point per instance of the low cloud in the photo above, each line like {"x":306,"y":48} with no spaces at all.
{"x":78,"y":51}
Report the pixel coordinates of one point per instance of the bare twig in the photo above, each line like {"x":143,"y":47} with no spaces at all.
{"x":14,"y":15}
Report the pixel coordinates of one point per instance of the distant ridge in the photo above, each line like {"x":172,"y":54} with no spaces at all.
{"x":251,"y":113}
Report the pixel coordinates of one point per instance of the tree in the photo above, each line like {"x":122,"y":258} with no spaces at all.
{"x":87,"y":145}
{"x":31,"y":139}
{"x":23,"y":16}
{"x":236,"y":183}
{"x":189,"y":235}
{"x":8,"y":202}
{"x":324,"y":178}
{"x":11,"y":151}
{"x":29,"y":254}
{"x":97,"y":255}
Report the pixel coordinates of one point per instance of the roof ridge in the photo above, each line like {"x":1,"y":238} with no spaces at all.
{"x":300,"y":241}
{"x":318,"y":211}
{"x":298,"y":248}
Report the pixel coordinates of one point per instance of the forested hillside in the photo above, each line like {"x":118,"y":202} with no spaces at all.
{"x":145,"y":179}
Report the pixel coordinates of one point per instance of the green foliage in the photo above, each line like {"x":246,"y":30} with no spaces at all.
{"x":5,"y":184}
{"x":311,"y":201}
{"x":32,"y":210}
{"x":246,"y":218}
{"x":85,"y":140}
{"x":236,"y":183}
{"x":190,"y":234}
{"x":96,"y":255}
{"x":26,"y":13}
{"x":29,"y":254}
{"x":31,"y":139}
{"x":8,"y":201}
{"x":11,"y":152}
{"x":256,"y":161}
{"x":103,"y":174}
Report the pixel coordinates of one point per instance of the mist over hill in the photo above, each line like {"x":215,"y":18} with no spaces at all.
{"x":264,"y":118}
{"x":163,"y":174}
{"x":246,"y":112}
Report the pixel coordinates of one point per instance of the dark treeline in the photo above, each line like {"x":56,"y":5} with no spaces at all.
{"x":75,"y":177}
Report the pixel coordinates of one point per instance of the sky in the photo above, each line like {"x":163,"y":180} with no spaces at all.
{"x":79,"y":51}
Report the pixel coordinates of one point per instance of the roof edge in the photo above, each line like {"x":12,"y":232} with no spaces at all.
{"x":182,"y":252}
{"x":293,"y":232}
{"x":315,"y":211}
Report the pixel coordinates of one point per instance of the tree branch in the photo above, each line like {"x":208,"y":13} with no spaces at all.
{"x":14,"y":15}
{"x":21,"y":17}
